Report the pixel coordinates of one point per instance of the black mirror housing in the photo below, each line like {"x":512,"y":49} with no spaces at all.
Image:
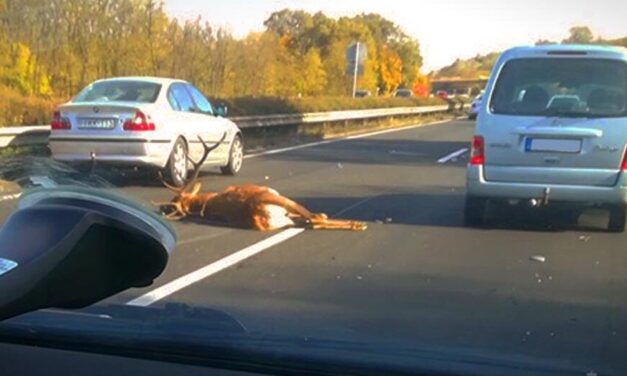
{"x":70,"y":249}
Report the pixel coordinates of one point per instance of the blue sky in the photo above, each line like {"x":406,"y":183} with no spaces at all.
{"x":446,"y":29}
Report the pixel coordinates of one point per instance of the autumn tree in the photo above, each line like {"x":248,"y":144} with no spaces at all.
{"x":390,"y":70}
{"x":579,"y":35}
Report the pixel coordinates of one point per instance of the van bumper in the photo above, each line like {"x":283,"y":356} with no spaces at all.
{"x":477,"y":186}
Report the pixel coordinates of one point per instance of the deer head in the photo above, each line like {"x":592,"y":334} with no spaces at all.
{"x":181,"y":203}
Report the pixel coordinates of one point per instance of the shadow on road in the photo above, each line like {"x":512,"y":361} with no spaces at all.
{"x":445,"y":209}
{"x":440,"y":210}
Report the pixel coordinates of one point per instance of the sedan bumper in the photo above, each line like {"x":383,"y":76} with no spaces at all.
{"x":477,"y":186}
{"x":115,"y":151}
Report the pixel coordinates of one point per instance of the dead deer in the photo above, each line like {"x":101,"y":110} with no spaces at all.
{"x":245,"y":206}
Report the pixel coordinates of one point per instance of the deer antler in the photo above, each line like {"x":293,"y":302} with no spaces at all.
{"x":198,"y":165}
{"x":167,"y":185}
{"x":180,"y":211}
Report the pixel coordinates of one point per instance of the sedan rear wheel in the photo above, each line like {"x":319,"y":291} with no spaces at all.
{"x":236,"y":157}
{"x":176,"y":169}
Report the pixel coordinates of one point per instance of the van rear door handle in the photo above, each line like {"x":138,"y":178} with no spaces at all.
{"x":568,"y":132}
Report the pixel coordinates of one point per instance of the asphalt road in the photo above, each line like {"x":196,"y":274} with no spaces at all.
{"x":417,"y":275}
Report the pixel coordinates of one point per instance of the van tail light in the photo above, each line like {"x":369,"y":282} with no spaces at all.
{"x":477,"y":151}
{"x":59,"y":122}
{"x":623,"y":164}
{"x":139,"y":122}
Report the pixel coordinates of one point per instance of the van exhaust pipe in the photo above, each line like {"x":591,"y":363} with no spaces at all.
{"x":544,"y":201}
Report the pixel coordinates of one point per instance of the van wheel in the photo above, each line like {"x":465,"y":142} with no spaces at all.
{"x":236,"y":158}
{"x":475,"y":210}
{"x":617,"y":218}
{"x":176,"y":170}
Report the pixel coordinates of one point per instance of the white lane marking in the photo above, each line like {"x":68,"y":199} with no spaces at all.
{"x":213,"y":268}
{"x":10,"y":197}
{"x":318,"y":143}
{"x":454,"y":154}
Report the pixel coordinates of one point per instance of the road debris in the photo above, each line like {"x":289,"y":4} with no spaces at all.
{"x":360,"y":277}
{"x":584,"y":238}
{"x":266,"y":177}
{"x":388,"y":220}
{"x":537,"y":258}
{"x":340,"y":165}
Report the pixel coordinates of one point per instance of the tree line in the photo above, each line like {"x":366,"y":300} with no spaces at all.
{"x":481,"y":65}
{"x":53,"y":48}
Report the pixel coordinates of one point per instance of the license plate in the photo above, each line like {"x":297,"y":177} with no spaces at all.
{"x":552,"y":145}
{"x":96,"y":123}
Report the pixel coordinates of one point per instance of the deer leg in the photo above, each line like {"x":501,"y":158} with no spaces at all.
{"x":174,"y":216}
{"x":337,"y":224}
{"x":202,"y":209}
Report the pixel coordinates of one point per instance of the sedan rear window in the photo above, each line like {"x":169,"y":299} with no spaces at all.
{"x":571,"y":87}
{"x":119,"y":91}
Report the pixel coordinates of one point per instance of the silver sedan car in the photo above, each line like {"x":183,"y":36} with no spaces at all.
{"x":145,"y":121}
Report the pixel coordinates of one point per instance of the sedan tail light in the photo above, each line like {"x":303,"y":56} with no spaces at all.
{"x":623,"y":164}
{"x":477,"y":156}
{"x":59,"y":122}
{"x":139,"y":122}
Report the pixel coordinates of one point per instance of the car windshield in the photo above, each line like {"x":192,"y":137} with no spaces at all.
{"x":581,"y":87}
{"x":306,"y":187}
{"x":119,"y":91}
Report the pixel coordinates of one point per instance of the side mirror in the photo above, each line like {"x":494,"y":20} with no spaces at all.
{"x":221,"y":110}
{"x":72,"y":247}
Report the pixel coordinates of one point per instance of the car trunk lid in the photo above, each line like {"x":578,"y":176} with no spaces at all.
{"x":95,"y":117}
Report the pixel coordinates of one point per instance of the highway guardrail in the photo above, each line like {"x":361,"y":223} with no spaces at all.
{"x":38,"y":134}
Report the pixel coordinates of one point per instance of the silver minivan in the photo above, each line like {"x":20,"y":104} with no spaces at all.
{"x":552,"y":128}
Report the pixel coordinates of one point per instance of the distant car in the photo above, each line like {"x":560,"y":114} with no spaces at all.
{"x":474,"y":107}
{"x":144,"y":121}
{"x":362,"y":93}
{"x":553,"y":132}
{"x":403,"y":93}
{"x":442,"y":94}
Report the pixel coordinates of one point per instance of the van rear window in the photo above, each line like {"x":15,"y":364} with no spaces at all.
{"x":570,"y":87}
